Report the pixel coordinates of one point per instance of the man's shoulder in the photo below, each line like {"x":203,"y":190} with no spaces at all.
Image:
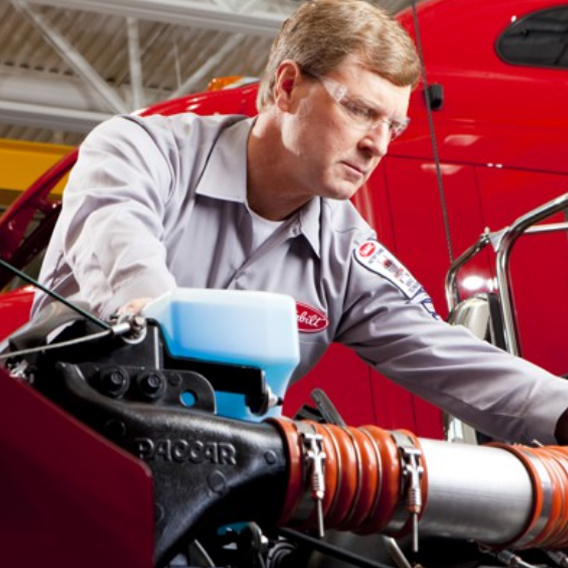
{"x":343,"y":218}
{"x":184,"y":125}
{"x":183,"y":140}
{"x":179,"y":129}
{"x":187,"y":118}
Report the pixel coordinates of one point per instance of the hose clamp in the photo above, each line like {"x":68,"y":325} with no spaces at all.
{"x":314,"y":474}
{"x":410,"y":490}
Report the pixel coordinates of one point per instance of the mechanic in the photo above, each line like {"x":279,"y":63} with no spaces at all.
{"x":263,"y":204}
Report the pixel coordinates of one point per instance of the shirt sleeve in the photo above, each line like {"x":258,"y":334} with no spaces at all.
{"x":390,"y":322}
{"x":112,"y":216}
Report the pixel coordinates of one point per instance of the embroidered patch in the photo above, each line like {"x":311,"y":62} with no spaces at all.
{"x":310,"y":320}
{"x":376,"y":258}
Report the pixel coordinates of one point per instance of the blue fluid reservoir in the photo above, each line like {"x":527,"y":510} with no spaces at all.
{"x":256,"y":329}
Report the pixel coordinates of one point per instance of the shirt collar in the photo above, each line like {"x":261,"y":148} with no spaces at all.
{"x":309,"y":220}
{"x":225,"y":175}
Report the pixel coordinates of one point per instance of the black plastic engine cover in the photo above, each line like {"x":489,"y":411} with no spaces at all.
{"x":207,"y":470}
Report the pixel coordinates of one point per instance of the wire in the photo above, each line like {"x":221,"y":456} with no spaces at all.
{"x":260,"y":560}
{"x":67,"y":343}
{"x":331,"y":550}
{"x":204,"y":555}
{"x":435,"y":153}
{"x":55,"y":295}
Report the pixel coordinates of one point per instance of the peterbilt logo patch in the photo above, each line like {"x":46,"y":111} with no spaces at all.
{"x":310,"y":320}
{"x":367,"y":249}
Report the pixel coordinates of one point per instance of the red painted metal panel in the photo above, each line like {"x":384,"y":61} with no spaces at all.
{"x":493,"y":112}
{"x":345,"y":379}
{"x":14,"y":310}
{"x":68,"y":497}
{"x":394,"y":406}
{"x":420,"y":237}
{"x":373,"y":202}
{"x":539,"y":263}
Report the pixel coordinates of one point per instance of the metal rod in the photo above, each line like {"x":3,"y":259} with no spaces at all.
{"x":452,"y":292}
{"x":55,"y":295}
{"x":548,"y":228}
{"x":510,"y":237}
{"x":331,"y":550}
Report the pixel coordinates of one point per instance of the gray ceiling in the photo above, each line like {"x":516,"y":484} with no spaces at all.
{"x":65,"y":65}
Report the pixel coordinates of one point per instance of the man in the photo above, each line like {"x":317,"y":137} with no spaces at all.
{"x":228,"y":202}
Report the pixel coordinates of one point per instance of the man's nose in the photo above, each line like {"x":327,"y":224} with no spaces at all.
{"x":377,"y":140}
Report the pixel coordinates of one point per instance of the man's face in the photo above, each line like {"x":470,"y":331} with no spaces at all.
{"x":332,"y":147}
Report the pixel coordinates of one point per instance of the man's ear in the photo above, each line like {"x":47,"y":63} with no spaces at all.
{"x":287,"y":76}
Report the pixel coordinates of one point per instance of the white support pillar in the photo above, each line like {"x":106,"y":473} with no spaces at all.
{"x":135,"y":63}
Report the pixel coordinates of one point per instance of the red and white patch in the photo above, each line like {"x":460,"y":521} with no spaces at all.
{"x":376,"y":258}
{"x":367,"y":249}
{"x":310,"y":320}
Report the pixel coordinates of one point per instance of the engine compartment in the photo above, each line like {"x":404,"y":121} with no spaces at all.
{"x":232,"y":492}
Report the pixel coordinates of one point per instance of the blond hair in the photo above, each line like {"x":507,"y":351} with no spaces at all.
{"x":321,"y":33}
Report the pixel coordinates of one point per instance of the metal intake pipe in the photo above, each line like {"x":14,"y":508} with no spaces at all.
{"x":393,"y":482}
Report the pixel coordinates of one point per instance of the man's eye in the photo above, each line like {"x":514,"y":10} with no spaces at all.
{"x":360,"y":112}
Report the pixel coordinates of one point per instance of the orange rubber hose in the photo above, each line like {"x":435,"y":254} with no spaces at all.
{"x":363,"y":477}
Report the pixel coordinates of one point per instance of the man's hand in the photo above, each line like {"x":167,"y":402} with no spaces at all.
{"x":561,"y":431}
{"x":134,"y":306}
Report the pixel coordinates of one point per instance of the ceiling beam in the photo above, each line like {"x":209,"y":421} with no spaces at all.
{"x":206,"y":70}
{"x":69,"y":54}
{"x":49,"y":89}
{"x":182,"y":12}
{"x":53,"y":118}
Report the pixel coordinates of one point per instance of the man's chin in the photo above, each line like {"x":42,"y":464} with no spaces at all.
{"x":343,"y":193}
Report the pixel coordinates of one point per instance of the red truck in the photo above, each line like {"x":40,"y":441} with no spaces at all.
{"x":490,"y":146}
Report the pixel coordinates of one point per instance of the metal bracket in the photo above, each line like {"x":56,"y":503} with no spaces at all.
{"x":412,"y":472}
{"x":314,"y":460}
{"x":506,"y":557}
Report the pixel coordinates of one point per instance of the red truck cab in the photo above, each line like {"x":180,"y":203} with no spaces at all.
{"x":491,"y":145}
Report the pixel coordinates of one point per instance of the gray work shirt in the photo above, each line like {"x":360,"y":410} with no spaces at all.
{"x":159,"y":202}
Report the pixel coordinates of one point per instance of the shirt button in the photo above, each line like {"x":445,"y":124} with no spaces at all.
{"x":295,"y":231}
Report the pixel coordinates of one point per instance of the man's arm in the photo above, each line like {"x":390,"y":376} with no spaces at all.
{"x":110,"y":237}
{"x":393,"y":329}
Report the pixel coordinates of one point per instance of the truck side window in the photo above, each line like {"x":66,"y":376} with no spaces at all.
{"x":537,"y":40}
